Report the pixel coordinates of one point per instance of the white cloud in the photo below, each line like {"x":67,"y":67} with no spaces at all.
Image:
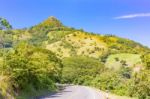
{"x":131,"y":16}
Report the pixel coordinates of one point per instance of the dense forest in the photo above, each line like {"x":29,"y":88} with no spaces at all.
{"x":34,"y":59}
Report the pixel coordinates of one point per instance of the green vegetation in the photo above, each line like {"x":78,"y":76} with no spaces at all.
{"x":81,"y":69}
{"x":30,"y":69}
{"x":33,"y":59}
{"x":140,"y":85}
{"x":146,"y":60}
{"x":4,"y":24}
{"x":116,"y":61}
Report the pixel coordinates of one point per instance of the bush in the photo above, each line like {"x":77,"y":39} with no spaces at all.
{"x":27,"y":65}
{"x":140,"y":85}
{"x":78,"y":68}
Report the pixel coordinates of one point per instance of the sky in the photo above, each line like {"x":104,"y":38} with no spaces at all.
{"x":124,"y":18}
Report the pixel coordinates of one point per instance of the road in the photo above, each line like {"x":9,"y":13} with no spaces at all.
{"x":76,"y":92}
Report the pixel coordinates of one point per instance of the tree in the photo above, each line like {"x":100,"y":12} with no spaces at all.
{"x":4,"y":24}
{"x":81,"y":69}
{"x":5,"y":39}
{"x":30,"y":68}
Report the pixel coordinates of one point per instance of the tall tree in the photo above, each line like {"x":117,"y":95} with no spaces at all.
{"x":4,"y":24}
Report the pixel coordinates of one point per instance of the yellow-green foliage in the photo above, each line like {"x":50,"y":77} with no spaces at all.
{"x":30,"y":69}
{"x":21,"y":35}
{"x":51,"y":22}
{"x":115,"y":61}
{"x":81,"y":69}
{"x":6,"y":91}
{"x":146,"y":60}
{"x":79,"y":43}
{"x":140,"y":85}
{"x":122,"y":45}
{"x":1,"y":65}
{"x":59,"y":50}
{"x":57,"y":35}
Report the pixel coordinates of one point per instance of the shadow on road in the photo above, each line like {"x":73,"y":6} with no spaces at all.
{"x":61,"y":90}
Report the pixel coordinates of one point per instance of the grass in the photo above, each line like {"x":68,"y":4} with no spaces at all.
{"x":114,"y":61}
{"x":120,"y":97}
{"x":55,"y":36}
{"x":113,"y":96}
{"x":5,"y":87}
{"x":81,"y":43}
{"x":32,"y":95}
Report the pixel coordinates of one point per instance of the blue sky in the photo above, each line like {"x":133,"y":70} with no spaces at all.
{"x":124,"y":18}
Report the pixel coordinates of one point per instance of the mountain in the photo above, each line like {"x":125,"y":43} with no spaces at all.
{"x":67,"y":42}
{"x":107,"y":62}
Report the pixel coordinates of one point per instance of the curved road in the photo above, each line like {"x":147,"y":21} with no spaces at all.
{"x":76,"y":92}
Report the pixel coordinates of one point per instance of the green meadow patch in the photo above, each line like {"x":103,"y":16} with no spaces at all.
{"x":116,"y":61}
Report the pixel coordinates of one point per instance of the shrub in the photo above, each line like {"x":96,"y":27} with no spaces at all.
{"x":27,"y":65}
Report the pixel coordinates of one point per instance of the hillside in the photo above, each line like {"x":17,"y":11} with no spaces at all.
{"x":65,"y":41}
{"x":68,"y":55}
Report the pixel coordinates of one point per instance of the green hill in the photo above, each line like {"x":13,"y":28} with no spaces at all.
{"x":65,"y":41}
{"x":54,"y":53}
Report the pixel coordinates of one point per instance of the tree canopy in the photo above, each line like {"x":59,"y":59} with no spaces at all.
{"x":4,"y":24}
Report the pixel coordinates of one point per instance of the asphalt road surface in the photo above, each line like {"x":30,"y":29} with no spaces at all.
{"x":76,"y":92}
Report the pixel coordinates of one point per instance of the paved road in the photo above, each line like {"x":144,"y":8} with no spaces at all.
{"x":76,"y":92}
